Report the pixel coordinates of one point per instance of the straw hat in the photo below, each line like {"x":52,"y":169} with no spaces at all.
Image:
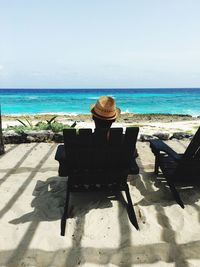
{"x":105,"y":108}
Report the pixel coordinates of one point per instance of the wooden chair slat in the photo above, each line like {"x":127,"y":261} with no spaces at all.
{"x":130,"y":140}
{"x":115,"y":136}
{"x":84,"y":150}
{"x":100,"y":144}
{"x":115,"y":147}
{"x":69,"y":136}
{"x":193,"y":146}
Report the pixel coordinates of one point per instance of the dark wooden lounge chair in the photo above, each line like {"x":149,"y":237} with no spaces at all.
{"x":178,"y":169}
{"x":100,"y":163}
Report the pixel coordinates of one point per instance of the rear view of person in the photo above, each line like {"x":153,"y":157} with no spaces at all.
{"x":104,"y":114}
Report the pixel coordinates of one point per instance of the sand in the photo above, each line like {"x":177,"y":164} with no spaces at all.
{"x":98,"y":233}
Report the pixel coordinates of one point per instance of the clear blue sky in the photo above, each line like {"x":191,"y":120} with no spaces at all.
{"x":99,"y":43}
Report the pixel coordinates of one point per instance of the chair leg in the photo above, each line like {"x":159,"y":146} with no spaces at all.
{"x":175,"y":194}
{"x":130,"y":209}
{"x":65,"y":214}
{"x":156,"y":168}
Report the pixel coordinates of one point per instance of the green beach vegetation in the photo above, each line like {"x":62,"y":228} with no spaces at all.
{"x":51,"y":124}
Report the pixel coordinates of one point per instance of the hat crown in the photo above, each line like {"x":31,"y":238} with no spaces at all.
{"x":105,"y":108}
{"x":105,"y":104}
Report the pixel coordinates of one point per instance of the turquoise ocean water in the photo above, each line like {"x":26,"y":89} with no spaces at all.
{"x":29,"y":101}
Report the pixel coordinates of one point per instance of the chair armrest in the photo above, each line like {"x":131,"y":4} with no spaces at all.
{"x":60,"y":153}
{"x":158,"y":145}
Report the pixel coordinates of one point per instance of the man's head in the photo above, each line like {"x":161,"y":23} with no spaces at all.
{"x":99,"y":123}
{"x":104,"y":112}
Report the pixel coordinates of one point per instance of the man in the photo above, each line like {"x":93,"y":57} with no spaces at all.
{"x":104,"y":113}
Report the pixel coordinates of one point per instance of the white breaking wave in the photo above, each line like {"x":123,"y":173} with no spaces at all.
{"x":40,"y":113}
{"x":126,"y":111}
{"x":32,"y":97}
{"x":58,"y":113}
{"x":193,"y":113}
{"x":96,"y":97}
{"x":93,"y":97}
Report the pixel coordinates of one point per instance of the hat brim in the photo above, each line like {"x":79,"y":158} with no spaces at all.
{"x":118,"y":111}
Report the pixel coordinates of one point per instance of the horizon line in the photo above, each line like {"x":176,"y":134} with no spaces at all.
{"x":99,"y":88}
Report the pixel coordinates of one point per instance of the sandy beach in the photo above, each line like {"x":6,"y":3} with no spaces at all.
{"x":148,"y":123}
{"x":99,"y":232}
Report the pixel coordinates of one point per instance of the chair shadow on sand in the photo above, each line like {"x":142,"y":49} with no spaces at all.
{"x":50,"y":196}
{"x":48,"y":205}
{"x":189,"y":193}
{"x":49,"y":201}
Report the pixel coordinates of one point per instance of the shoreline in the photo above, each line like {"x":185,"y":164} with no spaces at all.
{"x":124,"y":117}
{"x":148,"y":123}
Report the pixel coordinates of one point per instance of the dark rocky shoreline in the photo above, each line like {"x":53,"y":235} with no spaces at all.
{"x":11,"y":137}
{"x":124,"y":117}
